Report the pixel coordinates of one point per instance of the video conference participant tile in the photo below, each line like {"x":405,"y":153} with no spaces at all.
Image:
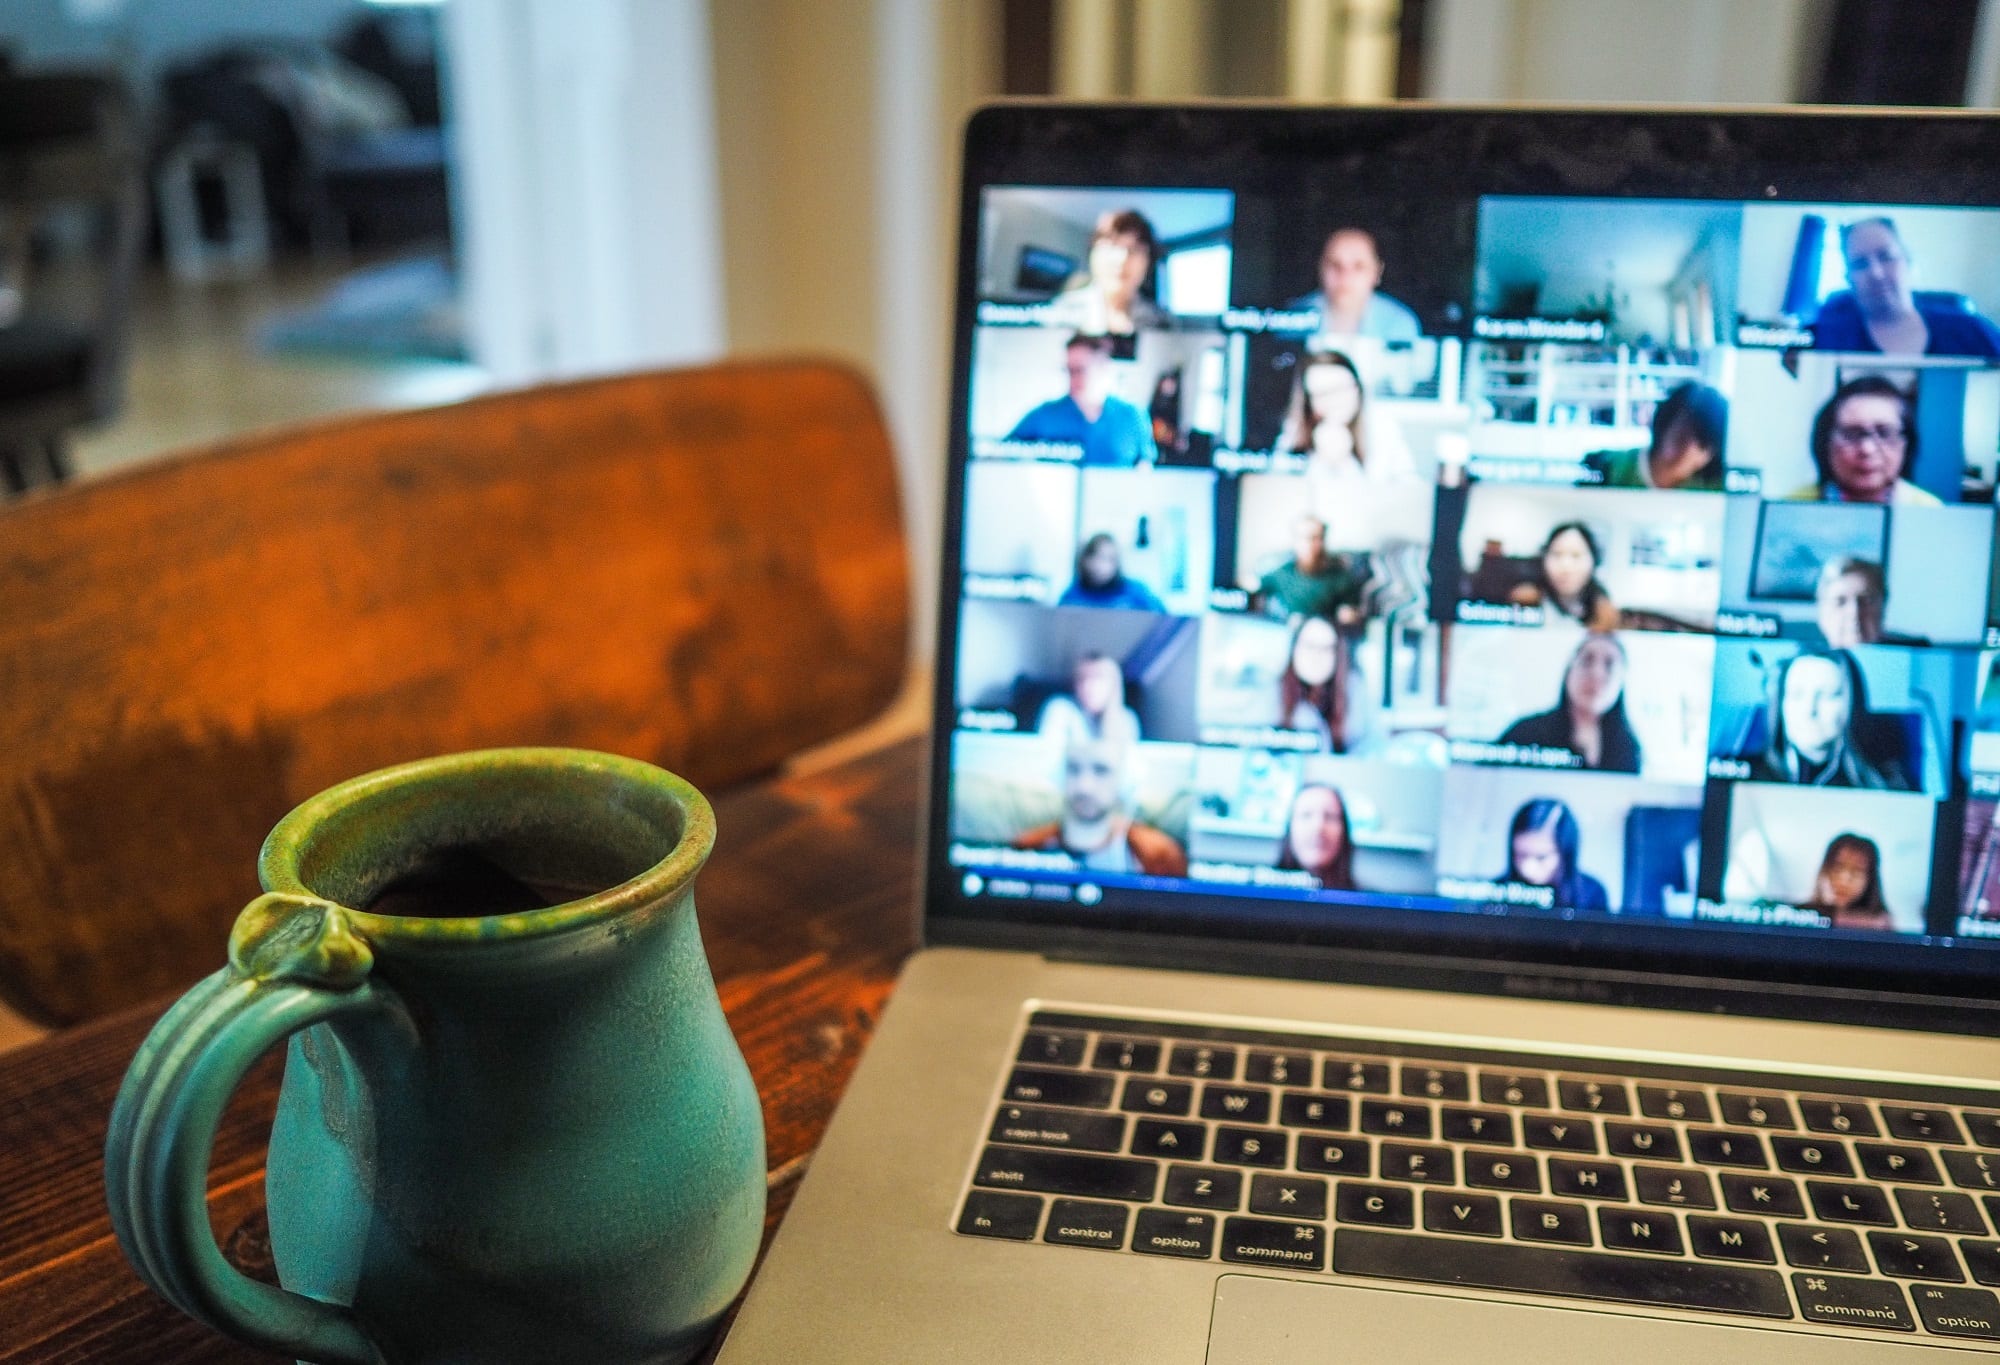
{"x":1025,"y":669}
{"x":1307,"y":686}
{"x":1526,"y":840}
{"x":1799,"y":848}
{"x":1056,"y":394}
{"x":1977,"y":908}
{"x":1630,"y":701}
{"x":1267,"y":818}
{"x":1604,"y":559}
{"x":1846,"y":573}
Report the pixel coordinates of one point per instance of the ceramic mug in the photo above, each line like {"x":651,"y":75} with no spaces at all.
{"x":514,"y":1125}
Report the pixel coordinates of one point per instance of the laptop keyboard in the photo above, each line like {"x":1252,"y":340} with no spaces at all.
{"x":1866,"y":1206}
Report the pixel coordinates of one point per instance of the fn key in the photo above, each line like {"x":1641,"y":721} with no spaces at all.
{"x":989,"y":1213}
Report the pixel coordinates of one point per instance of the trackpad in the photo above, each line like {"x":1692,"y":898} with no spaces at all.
{"x":1259,"y":1320}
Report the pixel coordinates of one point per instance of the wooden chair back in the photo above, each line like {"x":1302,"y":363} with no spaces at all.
{"x":703,"y":568}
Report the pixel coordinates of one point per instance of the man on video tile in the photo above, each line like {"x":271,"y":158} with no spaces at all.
{"x":1313,"y":582}
{"x":1095,"y":828}
{"x":1110,"y":430}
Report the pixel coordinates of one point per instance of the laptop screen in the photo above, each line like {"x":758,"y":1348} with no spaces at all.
{"x":1557,"y":536}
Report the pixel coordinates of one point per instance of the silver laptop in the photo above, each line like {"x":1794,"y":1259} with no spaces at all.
{"x":1463,"y":815}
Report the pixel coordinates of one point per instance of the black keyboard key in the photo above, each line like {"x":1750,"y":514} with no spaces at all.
{"x":1909,"y":1256}
{"x":1559,"y":1133}
{"x":1382,"y":1206}
{"x":1983,"y":1260}
{"x":1984,"y":1128}
{"x":1278,"y":1068}
{"x":1393,"y":1118}
{"x":1503,"y":1171}
{"x":1913,"y":1124}
{"x":1897,"y":1165}
{"x":1288,"y":1196}
{"x":1655,"y":1280}
{"x":1719,"y":1147}
{"x":1077,"y":1223}
{"x":1674,"y":1102}
{"x":1515,"y":1089}
{"x":1842,"y":1118}
{"x":1047,"y":1172}
{"x":1031,"y":1086}
{"x":1593,"y":1097}
{"x":1852,"y":1303}
{"x":1165,"y":1232}
{"x":1354,"y":1076}
{"x":1251,"y":1146}
{"x":1729,"y":1239}
{"x":1494,"y":1127}
{"x":1756,"y":1111}
{"x":1973,"y":1170}
{"x":1236,"y":1102}
{"x":1031,"y":1125}
{"x":1304,"y":1109}
{"x":1586,"y":1179}
{"x":1940,"y":1211}
{"x":1837,"y":1201}
{"x":1202,"y":1061}
{"x":1811,"y":1248}
{"x":1436,"y":1082}
{"x":1420,"y":1165}
{"x":1265,"y":1241}
{"x":1328,"y":1156}
{"x":1544,"y":1220}
{"x":1772,"y":1196}
{"x":1679,"y":1187}
{"x":1474,"y":1215}
{"x":990,"y":1213}
{"x":1811,"y":1156}
{"x":1203,"y":1187}
{"x":1143,"y":1096}
{"x":1047,"y":1047}
{"x":1646,"y":1141}
{"x":1971,"y":1313}
{"x":1162,"y":1137}
{"x":1126,"y":1054}
{"x":1639,"y":1230}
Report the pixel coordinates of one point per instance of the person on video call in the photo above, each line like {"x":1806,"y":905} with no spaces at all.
{"x":1848,"y":888}
{"x":1820,"y":728}
{"x":1880,"y":310}
{"x":1100,"y":582}
{"x":1313,"y":582}
{"x":1318,"y":838}
{"x":1115,"y":294}
{"x":1349,"y":300}
{"x":1542,"y":848}
{"x":1094,"y":827}
{"x":1095,"y":706}
{"x":1849,"y":600}
{"x":1565,"y":582}
{"x":1588,"y":718}
{"x":1685,"y":450}
{"x":1864,"y":441}
{"x":1318,"y":692}
{"x":1329,"y":421}
{"x":1110,"y":430}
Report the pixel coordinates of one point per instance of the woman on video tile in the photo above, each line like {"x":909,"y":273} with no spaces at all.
{"x":1318,"y":838}
{"x":1114,"y":294}
{"x":1542,"y":848}
{"x":1589,"y":717}
{"x":1864,"y":443}
{"x":1848,"y":888}
{"x":1566,"y":583}
{"x":1821,"y":732}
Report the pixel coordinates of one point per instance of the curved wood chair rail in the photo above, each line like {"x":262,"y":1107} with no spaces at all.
{"x":704,"y":568}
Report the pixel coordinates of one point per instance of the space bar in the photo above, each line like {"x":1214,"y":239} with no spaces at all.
{"x":1568,"y":1274}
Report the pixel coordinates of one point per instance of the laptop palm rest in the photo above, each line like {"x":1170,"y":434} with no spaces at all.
{"x":1258,"y":1320}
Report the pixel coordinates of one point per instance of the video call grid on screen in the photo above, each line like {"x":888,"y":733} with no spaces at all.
{"x":1624,"y":538}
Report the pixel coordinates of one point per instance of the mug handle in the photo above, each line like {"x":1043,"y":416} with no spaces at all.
{"x":293,"y":962}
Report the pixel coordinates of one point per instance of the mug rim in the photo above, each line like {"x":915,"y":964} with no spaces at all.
{"x":278,"y":862}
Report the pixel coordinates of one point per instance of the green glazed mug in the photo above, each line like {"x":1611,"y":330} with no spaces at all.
{"x":514,"y":1125}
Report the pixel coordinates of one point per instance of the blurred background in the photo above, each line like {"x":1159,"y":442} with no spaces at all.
{"x":217,"y":215}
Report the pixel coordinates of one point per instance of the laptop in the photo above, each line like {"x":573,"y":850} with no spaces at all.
{"x":1464,"y":820}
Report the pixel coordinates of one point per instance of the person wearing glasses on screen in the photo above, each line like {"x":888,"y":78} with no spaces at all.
{"x":1110,"y":430}
{"x":1820,"y":732}
{"x":1349,"y":299}
{"x":1543,"y":844}
{"x":1115,"y":293}
{"x":1318,"y":838}
{"x":1589,"y":717}
{"x":1864,"y":441}
{"x":1848,"y":889}
{"x":1685,"y":450}
{"x":1879,"y":311}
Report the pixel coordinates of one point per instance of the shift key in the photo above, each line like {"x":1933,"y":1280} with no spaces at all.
{"x":1093,"y":1177}
{"x":1030,"y":1085}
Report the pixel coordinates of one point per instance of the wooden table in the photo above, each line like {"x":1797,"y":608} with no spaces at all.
{"x":807,"y":911}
